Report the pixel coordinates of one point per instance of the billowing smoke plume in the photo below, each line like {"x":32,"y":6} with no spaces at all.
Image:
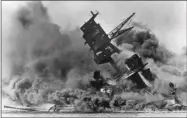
{"x":145,"y":43}
{"x":44,"y":58}
{"x":164,"y":64}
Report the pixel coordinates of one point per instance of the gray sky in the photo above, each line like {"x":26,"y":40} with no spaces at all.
{"x":167,"y":19}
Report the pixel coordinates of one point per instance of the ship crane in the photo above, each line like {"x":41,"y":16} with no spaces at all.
{"x":117,"y":31}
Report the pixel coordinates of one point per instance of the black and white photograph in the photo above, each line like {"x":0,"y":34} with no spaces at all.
{"x":93,"y":59}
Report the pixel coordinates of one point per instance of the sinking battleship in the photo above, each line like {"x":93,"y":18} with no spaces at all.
{"x":102,"y":48}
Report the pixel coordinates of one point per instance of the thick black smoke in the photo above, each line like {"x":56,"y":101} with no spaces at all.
{"x":145,"y":44}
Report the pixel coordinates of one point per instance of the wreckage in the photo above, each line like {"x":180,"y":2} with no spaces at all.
{"x":103,"y":51}
{"x":102,"y":48}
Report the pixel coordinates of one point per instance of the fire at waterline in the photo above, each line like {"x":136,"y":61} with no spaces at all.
{"x":103,"y":94}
